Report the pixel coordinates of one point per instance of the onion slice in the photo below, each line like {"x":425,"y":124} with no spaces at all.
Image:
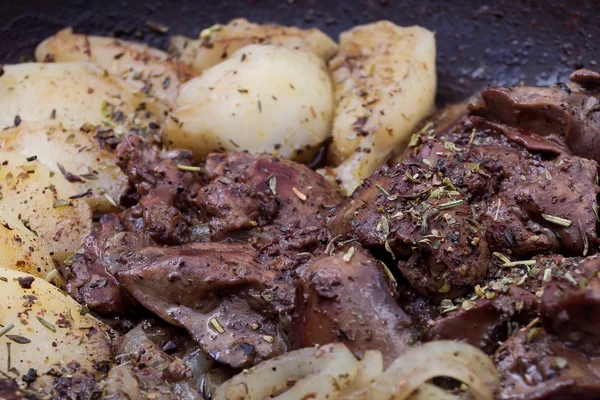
{"x":369,"y":368}
{"x":332,"y":372}
{"x":316,"y":372}
{"x":442,"y":358}
{"x":431,"y":392}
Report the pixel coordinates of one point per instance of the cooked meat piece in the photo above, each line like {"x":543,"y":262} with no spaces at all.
{"x":570,"y":307}
{"x":160,"y":184}
{"x":145,"y":371}
{"x":9,"y":390}
{"x":218,"y":292}
{"x":153,"y":172}
{"x":535,"y":366}
{"x":276,"y":192}
{"x":171,"y":204}
{"x":586,"y":78}
{"x":521,"y":217}
{"x":509,"y":228}
{"x":518,"y":178}
{"x":70,"y":381}
{"x":529,"y":140}
{"x":469,"y":132}
{"x":414,"y":206}
{"x":420,"y":309}
{"x":90,"y":278}
{"x":559,"y":115}
{"x":346,"y":298}
{"x":483,"y":323}
{"x":233,"y":206}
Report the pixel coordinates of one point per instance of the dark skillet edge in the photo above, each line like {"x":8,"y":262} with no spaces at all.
{"x":478,"y":42}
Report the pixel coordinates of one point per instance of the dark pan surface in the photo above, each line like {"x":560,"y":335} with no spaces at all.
{"x":478,"y":42}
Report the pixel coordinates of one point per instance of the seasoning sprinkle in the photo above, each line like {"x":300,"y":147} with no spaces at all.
{"x":60,"y":203}
{"x":388,"y":248}
{"x":388,"y":273}
{"x":468,"y":304}
{"x":80,"y":195}
{"x":414,"y":140}
{"x":412,"y":178}
{"x":446,"y":288}
{"x":254,"y":326}
{"x":111,"y":200}
{"x":218,"y":327}
{"x":516,"y":263}
{"x":585,"y":239}
{"x":501,"y":256}
{"x":8,"y":357}
{"x":436,"y":194}
{"x":446,"y":181}
{"x":570,"y":278}
{"x":188,"y":168}
{"x":479,"y":291}
{"x":447,"y":306}
{"x":561,"y":363}
{"x":557,"y":220}
{"x":157,"y":27}
{"x":299,"y":194}
{"x":6,"y":328}
{"x":451,"y":146}
{"x":268,"y":338}
{"x":273,"y":184}
{"x":383,"y":191}
{"x":205,"y":34}
{"x":348,"y":255}
{"x":330,"y":248}
{"x":46,"y":324}
{"x":68,"y":175}
{"x":450,"y":204}
{"x":19,"y":339}
{"x":532,"y":334}
{"x":497,"y":209}
{"x":399,"y":215}
{"x":359,"y":316}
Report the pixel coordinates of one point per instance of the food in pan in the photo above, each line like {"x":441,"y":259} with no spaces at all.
{"x":263,"y":213}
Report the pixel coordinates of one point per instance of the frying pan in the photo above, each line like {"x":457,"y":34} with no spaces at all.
{"x":479,"y":42}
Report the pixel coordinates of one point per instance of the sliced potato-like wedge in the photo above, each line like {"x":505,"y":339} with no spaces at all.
{"x":385,"y":83}
{"x":22,"y":250}
{"x":74,"y":93}
{"x":91,"y":169}
{"x":40,"y":199}
{"x":262,"y":99}
{"x":218,"y":42}
{"x":141,"y":66}
{"x":46,"y":329}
